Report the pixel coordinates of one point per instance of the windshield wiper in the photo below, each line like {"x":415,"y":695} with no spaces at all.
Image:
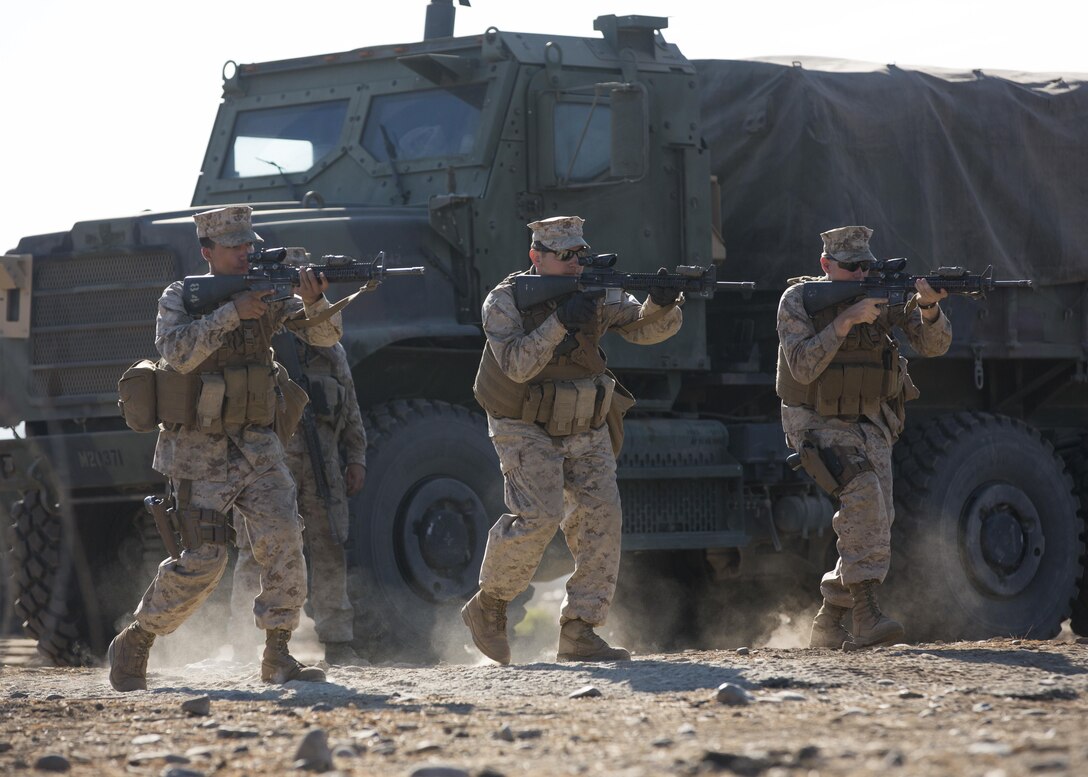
{"x":283,"y":174}
{"x":391,"y":152}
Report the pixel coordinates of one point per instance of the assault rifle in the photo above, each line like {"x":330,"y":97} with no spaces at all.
{"x":890,"y":281}
{"x":204,"y":293}
{"x":692,"y":280}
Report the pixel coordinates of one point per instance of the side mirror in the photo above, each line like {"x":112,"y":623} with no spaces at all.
{"x":630,"y":132}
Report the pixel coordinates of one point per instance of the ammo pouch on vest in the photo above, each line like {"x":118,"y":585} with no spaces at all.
{"x":136,"y":397}
{"x":832,"y":468}
{"x":622,"y":401}
{"x":208,"y":401}
{"x":565,"y":407}
{"x":851,"y":389}
{"x":291,"y":402}
{"x":909,"y":391}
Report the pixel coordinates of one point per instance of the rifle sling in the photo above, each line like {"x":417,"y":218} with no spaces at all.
{"x":305,"y":323}
{"x":638,"y":323}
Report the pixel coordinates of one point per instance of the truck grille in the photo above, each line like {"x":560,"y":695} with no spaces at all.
{"x":92,"y":316}
{"x":676,"y":476}
{"x":681,"y":505}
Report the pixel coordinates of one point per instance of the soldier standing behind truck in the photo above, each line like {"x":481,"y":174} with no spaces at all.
{"x":843,"y":387}
{"x":555,"y":414}
{"x":225,"y":408}
{"x":341,"y":445}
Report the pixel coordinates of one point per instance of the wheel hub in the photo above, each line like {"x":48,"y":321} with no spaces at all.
{"x":440,"y":544}
{"x":1002,"y":539}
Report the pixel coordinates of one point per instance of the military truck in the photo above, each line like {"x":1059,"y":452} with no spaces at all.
{"x":438,"y":153}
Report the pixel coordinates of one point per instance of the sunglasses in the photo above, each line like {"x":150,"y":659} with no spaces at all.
{"x":563,"y":256}
{"x":852,"y":266}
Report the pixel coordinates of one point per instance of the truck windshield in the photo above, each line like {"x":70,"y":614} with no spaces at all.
{"x":287,"y":139}
{"x":417,"y":125}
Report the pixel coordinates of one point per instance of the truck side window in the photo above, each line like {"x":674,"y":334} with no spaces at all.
{"x":289,"y":139}
{"x":582,"y":141}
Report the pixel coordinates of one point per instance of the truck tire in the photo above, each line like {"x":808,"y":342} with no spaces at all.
{"x":419,"y":528}
{"x":987,"y":539}
{"x":43,"y":579}
{"x":1076,"y":462}
{"x":74,"y":617}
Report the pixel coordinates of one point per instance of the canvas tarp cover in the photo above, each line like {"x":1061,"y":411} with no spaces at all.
{"x":965,"y":169}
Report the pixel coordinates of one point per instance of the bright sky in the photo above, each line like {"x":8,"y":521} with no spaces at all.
{"x":106,"y":106}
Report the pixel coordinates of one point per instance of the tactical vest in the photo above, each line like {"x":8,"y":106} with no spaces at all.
{"x":864,"y":372}
{"x":239,"y":384}
{"x":572,"y":394}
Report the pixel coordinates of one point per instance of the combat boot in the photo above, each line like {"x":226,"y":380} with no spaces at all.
{"x":342,"y":654}
{"x":128,"y":658}
{"x":485,"y":617}
{"x":827,"y":628}
{"x":871,"y":626}
{"x":279,"y":666}
{"x":579,"y":642}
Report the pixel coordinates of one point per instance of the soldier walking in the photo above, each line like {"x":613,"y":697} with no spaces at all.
{"x":844,"y":386}
{"x":224,"y":406}
{"x":555,"y":415}
{"x":340,"y":452}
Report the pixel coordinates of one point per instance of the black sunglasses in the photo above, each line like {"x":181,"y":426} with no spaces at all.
{"x":852,"y":266}
{"x":563,"y":256}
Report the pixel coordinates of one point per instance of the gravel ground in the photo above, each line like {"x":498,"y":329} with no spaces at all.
{"x":1000,"y":708}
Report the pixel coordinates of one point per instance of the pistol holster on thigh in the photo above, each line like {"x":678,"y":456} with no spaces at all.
{"x":833,"y":467}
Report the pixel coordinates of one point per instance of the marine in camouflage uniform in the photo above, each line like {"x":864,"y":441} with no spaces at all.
{"x":342,"y":439}
{"x":845,"y":426}
{"x":217,"y":463}
{"x":548,"y":395}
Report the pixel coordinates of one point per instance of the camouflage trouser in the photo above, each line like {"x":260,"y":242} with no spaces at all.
{"x":265,"y":502}
{"x":566,"y":483}
{"x":332,"y":610}
{"x":863,"y":523}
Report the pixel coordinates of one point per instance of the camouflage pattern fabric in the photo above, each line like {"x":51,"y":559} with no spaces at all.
{"x":184,"y":343}
{"x":542,"y":475}
{"x":559,"y":232}
{"x":332,"y":610}
{"x":242,"y":468}
{"x":848,"y":244}
{"x":863,"y":522}
{"x":521,"y":355}
{"x":264,"y":503}
{"x":566,"y":483}
{"x":808,"y":353}
{"x":864,"y":518}
{"x":229,"y":226}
